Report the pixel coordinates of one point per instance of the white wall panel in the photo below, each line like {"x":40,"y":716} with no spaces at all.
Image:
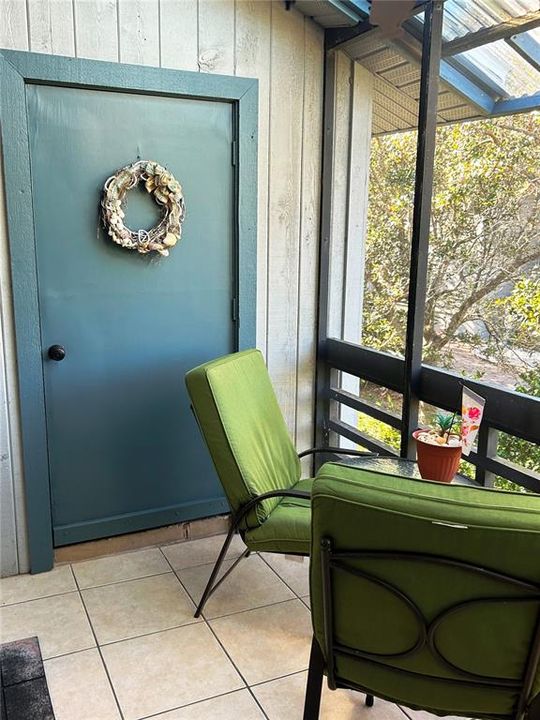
{"x":257,"y":38}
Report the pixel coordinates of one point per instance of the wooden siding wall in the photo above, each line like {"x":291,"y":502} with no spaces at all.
{"x":284,"y":50}
{"x":351,"y":139}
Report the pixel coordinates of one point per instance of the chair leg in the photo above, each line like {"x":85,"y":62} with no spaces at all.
{"x":370,"y":700}
{"x":208,"y":590}
{"x":314,"y":684}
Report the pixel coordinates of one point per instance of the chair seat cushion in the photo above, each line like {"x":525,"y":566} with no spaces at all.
{"x":288,"y":527}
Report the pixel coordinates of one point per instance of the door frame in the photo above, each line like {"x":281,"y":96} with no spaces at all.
{"x":19,"y":69}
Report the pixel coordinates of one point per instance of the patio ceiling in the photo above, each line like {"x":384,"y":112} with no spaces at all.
{"x":490,"y":64}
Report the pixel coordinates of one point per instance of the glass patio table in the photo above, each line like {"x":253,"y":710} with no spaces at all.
{"x":399,"y":466}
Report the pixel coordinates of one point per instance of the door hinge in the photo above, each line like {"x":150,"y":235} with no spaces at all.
{"x":233,"y":152}
{"x":234,"y":309}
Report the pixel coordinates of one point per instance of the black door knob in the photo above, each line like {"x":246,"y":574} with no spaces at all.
{"x":57,"y":352}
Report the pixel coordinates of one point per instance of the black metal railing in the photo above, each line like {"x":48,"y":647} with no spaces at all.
{"x":513,"y":413}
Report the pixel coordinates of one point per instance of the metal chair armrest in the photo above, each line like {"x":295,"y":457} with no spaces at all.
{"x":338,"y":451}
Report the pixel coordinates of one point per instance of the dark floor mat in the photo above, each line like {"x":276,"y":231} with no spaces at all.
{"x":24,"y":692}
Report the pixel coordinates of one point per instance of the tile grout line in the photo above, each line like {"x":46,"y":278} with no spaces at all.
{"x":258,"y":607}
{"x":152,"y":632}
{"x":41,"y":597}
{"x":280,"y":677}
{"x":191,"y":704}
{"x":230,"y":558}
{"x":83,"y":589}
{"x":409,"y":717}
{"x":126,"y":580}
{"x":248,"y":687}
{"x":221,"y":645}
{"x":297,"y":595}
{"x":99,"y":650}
{"x":73,"y":652}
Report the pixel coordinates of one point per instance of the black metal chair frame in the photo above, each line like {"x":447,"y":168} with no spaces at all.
{"x":332,"y":561}
{"x":239,"y":516}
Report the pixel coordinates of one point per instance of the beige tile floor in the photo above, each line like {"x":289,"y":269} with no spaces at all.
{"x":120,"y":642}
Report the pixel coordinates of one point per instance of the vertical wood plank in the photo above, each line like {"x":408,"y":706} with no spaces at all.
{"x":179,"y":25}
{"x":253,"y":60}
{"x":13,"y":25}
{"x":139,"y":31}
{"x":216,"y":36}
{"x":340,"y":188}
{"x":360,"y":150}
{"x":8,"y":557}
{"x":14,"y":549}
{"x":334,"y":219}
{"x":309,"y":232}
{"x":287,"y":85}
{"x":96,"y":29}
{"x":359,"y":157}
{"x":51,"y":26}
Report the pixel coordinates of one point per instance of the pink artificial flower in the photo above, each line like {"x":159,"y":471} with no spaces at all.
{"x":474,"y":413}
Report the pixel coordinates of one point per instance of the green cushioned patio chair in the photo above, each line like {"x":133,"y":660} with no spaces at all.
{"x":425,"y":594}
{"x":258,"y":466}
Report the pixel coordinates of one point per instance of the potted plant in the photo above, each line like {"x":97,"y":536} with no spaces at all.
{"x":439,"y":449}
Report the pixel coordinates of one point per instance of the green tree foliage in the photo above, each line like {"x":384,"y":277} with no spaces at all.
{"x":484,"y":261}
{"x":485,"y":233}
{"x":515,"y":319}
{"x":512,"y":448}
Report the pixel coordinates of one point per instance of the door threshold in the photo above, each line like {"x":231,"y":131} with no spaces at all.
{"x":191,"y":530}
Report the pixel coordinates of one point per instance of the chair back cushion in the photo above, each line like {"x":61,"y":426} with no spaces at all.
{"x":244,"y":429}
{"x":440,"y":601}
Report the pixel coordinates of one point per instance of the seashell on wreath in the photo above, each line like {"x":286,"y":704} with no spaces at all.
{"x":167,"y":192}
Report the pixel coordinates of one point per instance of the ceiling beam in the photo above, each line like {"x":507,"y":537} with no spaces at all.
{"x":491,"y":34}
{"x":527,"y":47}
{"x":517,"y":105}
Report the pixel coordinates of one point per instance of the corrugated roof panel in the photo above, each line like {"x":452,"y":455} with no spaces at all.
{"x":462,"y":17}
{"x":527,"y":44}
{"x":502,"y":65}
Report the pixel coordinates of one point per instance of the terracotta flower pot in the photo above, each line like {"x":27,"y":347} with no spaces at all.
{"x":437,"y":462}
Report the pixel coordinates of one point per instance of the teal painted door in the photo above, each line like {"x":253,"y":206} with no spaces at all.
{"x":124,"y":450}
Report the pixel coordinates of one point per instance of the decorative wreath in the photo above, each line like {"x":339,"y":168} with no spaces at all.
{"x":167,"y":192}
